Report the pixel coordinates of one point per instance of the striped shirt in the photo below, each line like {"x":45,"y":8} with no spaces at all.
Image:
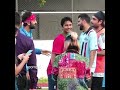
{"x":88,"y":42}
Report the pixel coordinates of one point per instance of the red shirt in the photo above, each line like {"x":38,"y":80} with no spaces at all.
{"x":58,"y":46}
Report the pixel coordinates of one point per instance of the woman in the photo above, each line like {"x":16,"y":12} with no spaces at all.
{"x":70,"y":67}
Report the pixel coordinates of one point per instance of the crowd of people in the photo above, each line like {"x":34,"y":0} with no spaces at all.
{"x":76,"y":63}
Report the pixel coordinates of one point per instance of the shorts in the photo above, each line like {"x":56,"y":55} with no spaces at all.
{"x":96,"y":83}
{"x":88,"y":82}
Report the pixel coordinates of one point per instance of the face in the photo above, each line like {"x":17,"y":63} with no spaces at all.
{"x":67,"y":27}
{"x":80,"y":24}
{"x":95,"y":22}
{"x":33,"y":24}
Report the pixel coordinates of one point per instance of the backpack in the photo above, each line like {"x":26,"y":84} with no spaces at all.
{"x":70,"y":69}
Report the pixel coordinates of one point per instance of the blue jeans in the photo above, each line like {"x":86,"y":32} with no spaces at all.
{"x":52,"y":82}
{"x":103,"y":82}
{"x":16,"y":88}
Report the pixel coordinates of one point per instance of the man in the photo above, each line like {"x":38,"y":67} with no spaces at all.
{"x":88,"y":43}
{"x":23,"y":44}
{"x":98,"y":24}
{"x":58,"y":48}
{"x":29,"y":23}
{"x":23,"y":57}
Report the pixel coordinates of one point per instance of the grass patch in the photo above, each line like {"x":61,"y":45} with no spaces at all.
{"x":43,"y":80}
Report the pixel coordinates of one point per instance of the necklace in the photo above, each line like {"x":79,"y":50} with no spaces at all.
{"x":99,"y":30}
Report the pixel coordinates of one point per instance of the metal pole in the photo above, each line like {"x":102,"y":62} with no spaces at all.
{"x":16,"y":5}
{"x":72,"y":9}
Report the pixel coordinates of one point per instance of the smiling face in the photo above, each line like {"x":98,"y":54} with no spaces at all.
{"x":67,"y":27}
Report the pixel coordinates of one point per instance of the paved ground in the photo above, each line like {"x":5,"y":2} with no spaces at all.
{"x":42,"y":86}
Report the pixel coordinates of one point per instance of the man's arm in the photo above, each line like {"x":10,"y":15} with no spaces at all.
{"x":92,"y":56}
{"x":44,"y":52}
{"x":19,"y":67}
{"x":93,"y":47}
{"x":101,"y":53}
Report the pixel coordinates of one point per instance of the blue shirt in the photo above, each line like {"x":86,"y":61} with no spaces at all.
{"x":26,"y":33}
{"x":88,"y":42}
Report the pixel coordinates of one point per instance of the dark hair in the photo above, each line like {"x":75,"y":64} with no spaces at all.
{"x":100,"y":16}
{"x":73,"y":46}
{"x":26,"y":15}
{"x":65,"y":19}
{"x":17,"y":18}
{"x":84,"y":17}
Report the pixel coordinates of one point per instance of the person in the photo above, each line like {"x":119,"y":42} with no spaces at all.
{"x":70,"y":67}
{"x":58,"y":48}
{"x":23,"y":57}
{"x":88,"y":43}
{"x":29,"y":23}
{"x":23,"y":44}
{"x":98,"y":24}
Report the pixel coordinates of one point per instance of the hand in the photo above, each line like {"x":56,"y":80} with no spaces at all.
{"x":74,"y":35}
{"x":28,"y":75}
{"x":20,"y":56}
{"x":46,"y":52}
{"x":26,"y":57}
{"x":88,"y":74}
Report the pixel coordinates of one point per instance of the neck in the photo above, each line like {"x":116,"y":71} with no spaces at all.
{"x":99,"y":29}
{"x":64,"y":33}
{"x":27,"y":28}
{"x":87,"y":26}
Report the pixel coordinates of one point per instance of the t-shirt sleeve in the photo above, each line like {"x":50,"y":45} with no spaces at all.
{"x":93,"y":41}
{"x":58,"y":45}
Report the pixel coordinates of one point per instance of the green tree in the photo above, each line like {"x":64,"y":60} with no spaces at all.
{"x":42,"y":2}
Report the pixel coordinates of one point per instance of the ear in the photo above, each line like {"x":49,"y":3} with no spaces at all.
{"x":100,"y":21}
{"x":28,"y":23}
{"x":83,"y":21}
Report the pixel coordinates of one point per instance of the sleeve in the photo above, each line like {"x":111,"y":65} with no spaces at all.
{"x":55,"y":65}
{"x":38,"y":51}
{"x":101,"y":41}
{"x":58,"y":46}
{"x":93,"y":41}
{"x":32,"y":71}
{"x":27,"y":68}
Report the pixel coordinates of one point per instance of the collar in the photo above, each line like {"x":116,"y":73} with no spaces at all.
{"x":88,"y":30}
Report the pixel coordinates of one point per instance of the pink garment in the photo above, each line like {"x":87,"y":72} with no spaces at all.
{"x":58,"y":46}
{"x":75,"y":68}
{"x":32,"y":17}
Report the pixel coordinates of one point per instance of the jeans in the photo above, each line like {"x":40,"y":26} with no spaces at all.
{"x":52,"y":82}
{"x":22,"y":83}
{"x":16,"y":88}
